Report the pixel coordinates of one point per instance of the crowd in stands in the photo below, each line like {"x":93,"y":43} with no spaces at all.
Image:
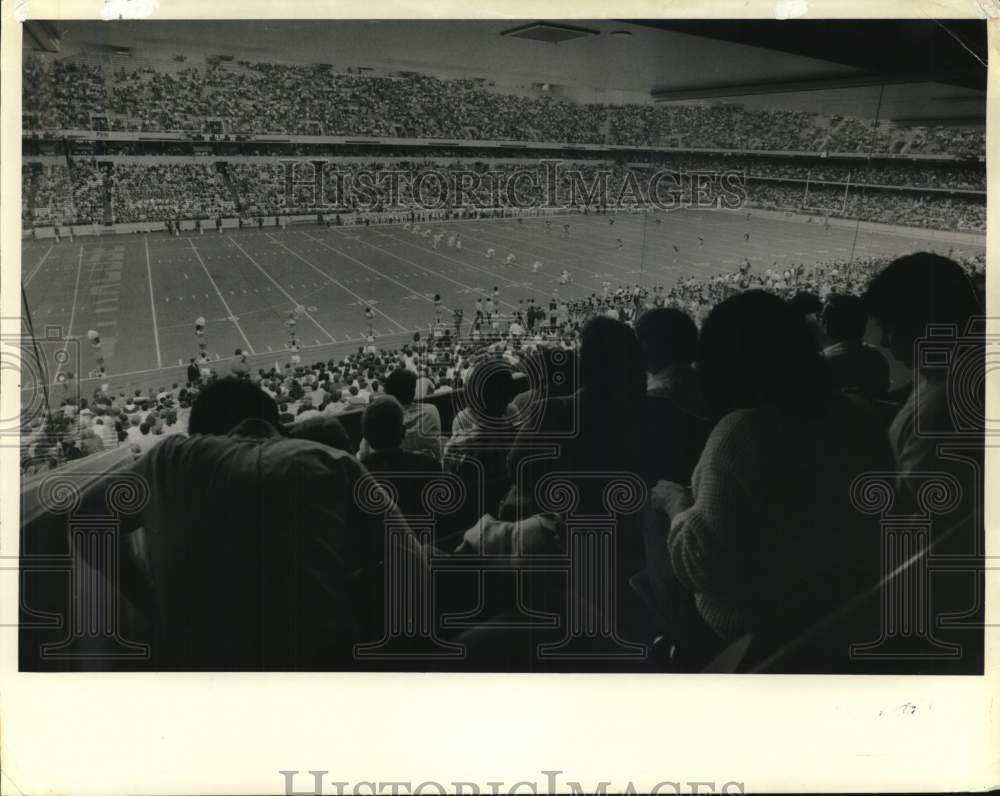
{"x":144,"y":191}
{"x":715,"y":127}
{"x":932,"y":211}
{"x":161,"y":192}
{"x":748,"y":433}
{"x":915,"y":175}
{"x":246,"y":97}
{"x":62,"y":95}
{"x":261,"y":188}
{"x":59,"y":194}
{"x":88,"y":189}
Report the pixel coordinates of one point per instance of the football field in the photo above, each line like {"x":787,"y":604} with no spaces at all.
{"x":142,"y":293}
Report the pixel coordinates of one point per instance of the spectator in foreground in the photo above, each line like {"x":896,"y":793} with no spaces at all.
{"x":554,"y":374}
{"x":324,"y":429}
{"x":669,"y":342}
{"x":854,"y":365}
{"x":477,"y":451}
{"x":422,"y":421}
{"x":260,"y":556}
{"x":407,"y":471}
{"x":905,"y":299}
{"x":767,"y":540}
{"x":595,"y":430}
{"x":937,"y":436}
{"x":810,"y":306}
{"x":594,"y":434}
{"x":674,"y":427}
{"x":490,"y":382}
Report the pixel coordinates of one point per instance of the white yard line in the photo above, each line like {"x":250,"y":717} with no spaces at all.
{"x":295,"y":302}
{"x":40,"y":264}
{"x":337,"y":282}
{"x":152,"y":305}
{"x":231,"y":314}
{"x":72,"y":312}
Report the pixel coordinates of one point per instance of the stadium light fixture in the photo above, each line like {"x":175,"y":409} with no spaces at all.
{"x":549,"y":32}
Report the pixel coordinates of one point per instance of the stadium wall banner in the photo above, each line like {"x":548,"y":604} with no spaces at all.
{"x":230,"y":223}
{"x":188,"y":224}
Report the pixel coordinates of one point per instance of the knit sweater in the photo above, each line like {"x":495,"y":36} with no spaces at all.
{"x":769,"y":540}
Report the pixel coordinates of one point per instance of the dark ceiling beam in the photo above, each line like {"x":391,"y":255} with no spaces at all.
{"x":865,"y":80}
{"x":945,"y":46}
{"x":44,"y":35}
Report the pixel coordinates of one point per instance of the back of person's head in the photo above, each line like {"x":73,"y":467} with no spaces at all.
{"x":560,"y":368}
{"x":611,"y":365}
{"x":845,"y":318}
{"x":806,"y":303}
{"x":227,"y":402}
{"x":920,"y":289}
{"x":756,"y":349}
{"x":667,"y":336}
{"x":401,"y":384}
{"x":382,"y":424}
{"x":325,"y":430}
{"x":490,"y":388}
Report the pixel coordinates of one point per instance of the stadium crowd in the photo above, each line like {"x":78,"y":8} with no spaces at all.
{"x":146,"y":191}
{"x":155,"y":192}
{"x":928,"y":210}
{"x":747,"y":431}
{"x":247,"y":97}
{"x":442,"y":360}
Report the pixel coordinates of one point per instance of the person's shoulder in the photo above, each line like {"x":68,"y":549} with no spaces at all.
{"x":304,"y":456}
{"x":428,"y":408}
{"x":742,"y":425}
{"x":874,"y":354}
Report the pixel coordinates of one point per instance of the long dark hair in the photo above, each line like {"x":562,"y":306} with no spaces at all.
{"x":756,"y":349}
